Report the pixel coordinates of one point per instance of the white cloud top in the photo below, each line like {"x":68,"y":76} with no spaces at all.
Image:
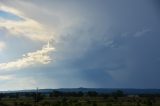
{"x":32,"y":58}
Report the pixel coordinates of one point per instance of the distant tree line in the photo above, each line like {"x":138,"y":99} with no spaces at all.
{"x":55,"y":93}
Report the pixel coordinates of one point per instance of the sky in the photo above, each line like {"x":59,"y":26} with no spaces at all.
{"x":79,"y":43}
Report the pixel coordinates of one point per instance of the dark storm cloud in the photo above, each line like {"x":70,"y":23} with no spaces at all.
{"x":132,"y":50}
{"x":116,"y":47}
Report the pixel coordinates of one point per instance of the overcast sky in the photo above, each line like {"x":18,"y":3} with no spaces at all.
{"x":79,"y":43}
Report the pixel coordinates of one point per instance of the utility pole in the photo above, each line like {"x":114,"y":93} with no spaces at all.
{"x":36,"y":98}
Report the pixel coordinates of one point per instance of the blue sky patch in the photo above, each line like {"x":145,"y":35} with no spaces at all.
{"x":9,"y":16}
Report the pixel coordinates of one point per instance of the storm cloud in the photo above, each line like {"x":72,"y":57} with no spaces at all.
{"x":104,"y":43}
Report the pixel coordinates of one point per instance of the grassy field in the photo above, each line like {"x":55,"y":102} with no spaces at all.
{"x":77,"y":99}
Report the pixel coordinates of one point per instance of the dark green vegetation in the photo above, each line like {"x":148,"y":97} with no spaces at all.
{"x":91,"y":98}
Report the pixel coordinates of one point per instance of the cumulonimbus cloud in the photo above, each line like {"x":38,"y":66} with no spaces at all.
{"x":29,"y":59}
